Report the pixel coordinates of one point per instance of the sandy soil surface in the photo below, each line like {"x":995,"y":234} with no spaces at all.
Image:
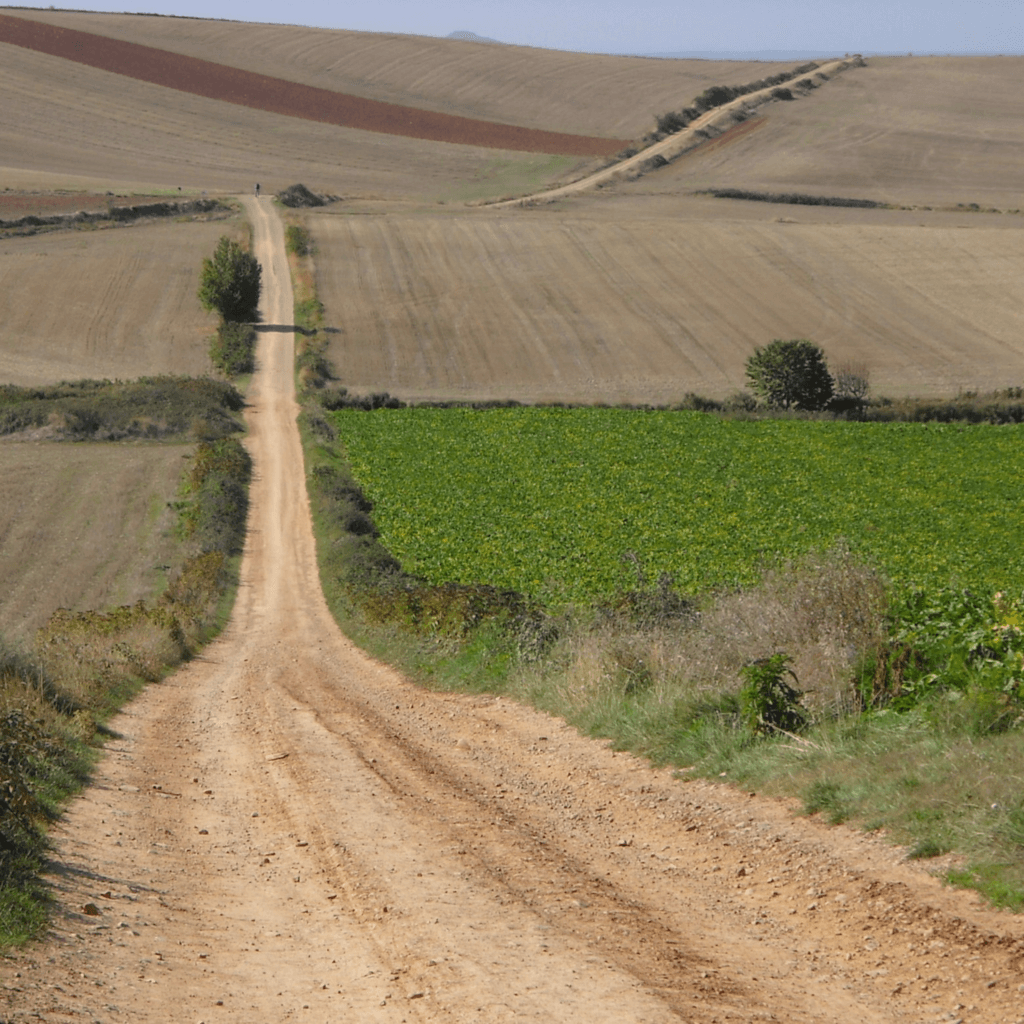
{"x":287,"y":830}
{"x":82,"y":526}
{"x":630,"y":300}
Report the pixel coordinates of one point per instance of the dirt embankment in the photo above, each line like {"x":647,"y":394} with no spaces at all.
{"x":275,"y":95}
{"x":288,"y":829}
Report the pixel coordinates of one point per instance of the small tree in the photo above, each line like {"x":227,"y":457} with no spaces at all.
{"x":230,"y":283}
{"x":852,"y":381}
{"x":790,"y":374}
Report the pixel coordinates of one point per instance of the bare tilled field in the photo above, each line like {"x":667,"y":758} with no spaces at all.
{"x":543,"y":306}
{"x":548,"y":89}
{"x":920,"y":130}
{"x":76,"y":126}
{"x":117,"y":303}
{"x":82,"y":526}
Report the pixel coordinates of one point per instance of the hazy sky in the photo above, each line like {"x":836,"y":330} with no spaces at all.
{"x":650,"y":26}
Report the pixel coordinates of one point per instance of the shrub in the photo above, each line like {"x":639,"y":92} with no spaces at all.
{"x":230,"y":282}
{"x":297,"y":240}
{"x":790,"y":374}
{"x":233,"y":348}
{"x":768,"y":701}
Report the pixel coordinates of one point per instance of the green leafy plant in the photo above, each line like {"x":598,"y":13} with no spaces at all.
{"x":768,"y":702}
{"x":230,"y":282}
{"x":233,"y":348}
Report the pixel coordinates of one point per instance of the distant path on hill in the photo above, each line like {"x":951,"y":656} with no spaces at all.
{"x":278,"y":96}
{"x":675,"y":145}
{"x":286,"y":830}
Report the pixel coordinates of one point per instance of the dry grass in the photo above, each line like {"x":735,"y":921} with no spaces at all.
{"x":82,"y":526}
{"x":608,"y":301}
{"x":825,"y":613}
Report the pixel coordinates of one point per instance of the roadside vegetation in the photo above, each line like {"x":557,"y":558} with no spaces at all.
{"x":156,"y":408}
{"x":57,"y":695}
{"x":870,"y":668}
{"x":229,"y":284}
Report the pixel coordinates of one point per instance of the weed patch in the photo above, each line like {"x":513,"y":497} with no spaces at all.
{"x":164,"y":408}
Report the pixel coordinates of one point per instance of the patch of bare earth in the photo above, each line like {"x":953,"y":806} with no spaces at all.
{"x":285,"y":828}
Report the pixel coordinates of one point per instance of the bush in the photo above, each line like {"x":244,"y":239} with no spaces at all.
{"x":768,"y":701}
{"x":230,"y":283}
{"x":790,"y":374}
{"x":297,"y":240}
{"x":233,"y":348}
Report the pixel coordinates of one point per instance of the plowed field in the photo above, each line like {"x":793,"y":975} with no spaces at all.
{"x":275,"y":95}
{"x":560,"y":91}
{"x":82,"y":526}
{"x":117,"y":303}
{"x":542,"y":307}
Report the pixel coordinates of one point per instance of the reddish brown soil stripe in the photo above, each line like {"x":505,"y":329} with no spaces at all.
{"x":277,"y":96}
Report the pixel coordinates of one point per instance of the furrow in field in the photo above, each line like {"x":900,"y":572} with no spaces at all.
{"x":115,"y":303}
{"x":613,"y":309}
{"x":221,"y":82}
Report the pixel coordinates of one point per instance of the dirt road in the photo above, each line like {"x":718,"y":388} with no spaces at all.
{"x":669,"y":148}
{"x":285,"y":830}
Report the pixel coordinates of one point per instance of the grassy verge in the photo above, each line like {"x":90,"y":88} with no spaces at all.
{"x":904,"y":715}
{"x":55,"y":700}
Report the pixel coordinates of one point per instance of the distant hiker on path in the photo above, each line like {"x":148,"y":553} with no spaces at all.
{"x":257,"y":190}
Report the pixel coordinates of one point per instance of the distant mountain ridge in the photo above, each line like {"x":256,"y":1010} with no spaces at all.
{"x":472,"y":37}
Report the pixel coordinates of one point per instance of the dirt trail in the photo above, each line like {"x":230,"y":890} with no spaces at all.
{"x":288,"y":830}
{"x":695,"y":134}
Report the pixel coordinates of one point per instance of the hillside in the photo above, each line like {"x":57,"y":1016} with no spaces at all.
{"x":905,"y":130}
{"x":587,"y":94}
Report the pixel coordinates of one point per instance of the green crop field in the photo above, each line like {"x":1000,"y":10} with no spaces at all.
{"x":554,"y":502}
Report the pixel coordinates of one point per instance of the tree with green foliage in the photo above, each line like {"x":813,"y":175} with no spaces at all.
{"x":790,"y":374}
{"x":230,"y":283}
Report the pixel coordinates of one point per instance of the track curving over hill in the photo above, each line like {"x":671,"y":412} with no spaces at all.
{"x":278,"y":96}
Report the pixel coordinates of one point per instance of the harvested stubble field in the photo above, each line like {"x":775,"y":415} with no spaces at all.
{"x":927,"y":131}
{"x":82,"y":526}
{"x":117,"y":303}
{"x":586,"y":94}
{"x":618,"y":306}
